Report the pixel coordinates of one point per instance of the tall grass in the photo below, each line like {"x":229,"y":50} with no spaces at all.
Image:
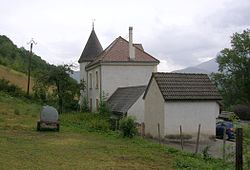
{"x":88,"y":121}
{"x":14,"y":77}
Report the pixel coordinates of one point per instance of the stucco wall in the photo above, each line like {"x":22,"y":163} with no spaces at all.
{"x":124,"y":76}
{"x":137,"y":110}
{"x":190,"y":115}
{"x":94,"y":93}
{"x":154,"y":110}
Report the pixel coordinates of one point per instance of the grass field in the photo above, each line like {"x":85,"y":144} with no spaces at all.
{"x":15,"y":77}
{"x":77,"y":147}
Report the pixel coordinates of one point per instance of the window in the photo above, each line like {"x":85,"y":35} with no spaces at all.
{"x":90,"y":104}
{"x":96,"y":79}
{"x":97,"y":104}
{"x":90,"y":81}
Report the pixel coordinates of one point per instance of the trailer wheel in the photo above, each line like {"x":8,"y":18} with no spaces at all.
{"x":38,"y":126}
{"x":57,"y":127}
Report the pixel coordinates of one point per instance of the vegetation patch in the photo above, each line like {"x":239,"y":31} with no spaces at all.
{"x":84,"y":142}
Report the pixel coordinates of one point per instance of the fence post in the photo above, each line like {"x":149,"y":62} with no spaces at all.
{"x":181,"y":137}
{"x":198,"y":139}
{"x":224,"y":143}
{"x":239,"y":157}
{"x":159,"y":134}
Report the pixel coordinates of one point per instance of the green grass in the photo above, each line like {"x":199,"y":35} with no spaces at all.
{"x":80,"y":144}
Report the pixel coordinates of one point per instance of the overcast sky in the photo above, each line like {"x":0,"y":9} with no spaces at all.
{"x":179,"y":33}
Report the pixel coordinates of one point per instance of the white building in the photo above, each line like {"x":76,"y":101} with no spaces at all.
{"x":121,"y":64}
{"x":174,"y":99}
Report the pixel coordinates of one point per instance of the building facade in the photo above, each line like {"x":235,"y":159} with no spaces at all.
{"x":121,"y":64}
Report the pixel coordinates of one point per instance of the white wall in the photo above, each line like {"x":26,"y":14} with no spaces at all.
{"x":154,"y":110}
{"x":137,"y":110}
{"x":190,"y":115}
{"x":124,"y":76}
{"x":94,"y":93}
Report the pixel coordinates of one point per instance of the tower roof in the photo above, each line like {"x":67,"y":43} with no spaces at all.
{"x":92,"y":48}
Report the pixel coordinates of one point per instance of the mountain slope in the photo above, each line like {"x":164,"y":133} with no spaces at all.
{"x":206,"y":67}
{"x":17,"y":58}
{"x":76,"y":76}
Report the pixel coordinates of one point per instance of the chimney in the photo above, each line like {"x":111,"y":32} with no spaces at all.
{"x":131,"y":47}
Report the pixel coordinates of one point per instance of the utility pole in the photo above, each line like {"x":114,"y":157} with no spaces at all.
{"x":29,"y":64}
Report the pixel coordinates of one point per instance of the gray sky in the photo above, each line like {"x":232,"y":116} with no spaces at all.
{"x":179,"y":33}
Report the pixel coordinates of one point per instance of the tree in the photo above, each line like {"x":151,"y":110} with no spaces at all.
{"x":233,"y":79}
{"x":62,"y":85}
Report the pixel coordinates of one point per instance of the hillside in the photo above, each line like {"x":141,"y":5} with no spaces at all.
{"x":14,"y":77}
{"x":206,"y":67}
{"x":17,"y":58}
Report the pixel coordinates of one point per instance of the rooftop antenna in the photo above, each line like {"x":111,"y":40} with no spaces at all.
{"x":93,"y":24}
{"x":29,"y":64}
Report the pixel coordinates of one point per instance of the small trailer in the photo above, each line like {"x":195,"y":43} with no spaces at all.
{"x":49,"y":119}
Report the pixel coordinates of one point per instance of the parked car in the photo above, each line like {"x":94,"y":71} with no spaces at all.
{"x":230,"y":132}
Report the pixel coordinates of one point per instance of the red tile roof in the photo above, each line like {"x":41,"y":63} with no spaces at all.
{"x":118,"y":51}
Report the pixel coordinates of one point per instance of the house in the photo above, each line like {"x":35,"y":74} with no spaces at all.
{"x":174,"y":99}
{"x":121,"y":64}
{"x":127,"y":101}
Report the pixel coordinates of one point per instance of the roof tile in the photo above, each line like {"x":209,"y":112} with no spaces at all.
{"x":182,"y":86}
{"x":118,"y":51}
{"x":123,"y":98}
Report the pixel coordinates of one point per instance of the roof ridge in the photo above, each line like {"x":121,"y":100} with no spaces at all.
{"x":180,"y":73}
{"x":131,"y":87}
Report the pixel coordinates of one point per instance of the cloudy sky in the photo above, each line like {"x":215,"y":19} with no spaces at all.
{"x":179,"y":33}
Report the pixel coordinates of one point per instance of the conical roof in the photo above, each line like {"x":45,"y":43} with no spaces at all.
{"x":92,"y":48}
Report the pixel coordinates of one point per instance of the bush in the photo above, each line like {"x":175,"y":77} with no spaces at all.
{"x":104,"y":108}
{"x":128,"y":126}
{"x":85,"y":105}
{"x":11,"y":89}
{"x":246,"y":146}
{"x":242,"y":111}
{"x":16,"y":111}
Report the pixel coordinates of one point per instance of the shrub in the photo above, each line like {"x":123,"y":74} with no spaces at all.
{"x":128,"y":126}
{"x":104,"y":108}
{"x":11,"y":89}
{"x":246,"y":146}
{"x":205,"y":153}
{"x":85,"y":105}
{"x":242,"y":111}
{"x":16,"y":111}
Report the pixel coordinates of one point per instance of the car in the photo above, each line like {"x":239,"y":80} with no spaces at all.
{"x":230,"y":132}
